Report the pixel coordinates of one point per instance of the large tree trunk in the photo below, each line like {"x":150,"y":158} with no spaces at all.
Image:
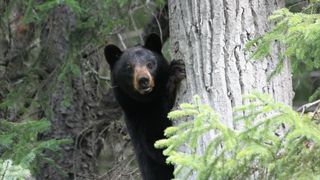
{"x":210,"y":36}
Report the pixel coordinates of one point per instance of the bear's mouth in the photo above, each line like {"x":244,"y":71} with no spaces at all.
{"x":143,"y":81}
{"x":145,"y":90}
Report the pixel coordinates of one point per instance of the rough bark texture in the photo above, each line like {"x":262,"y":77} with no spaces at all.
{"x":210,"y":36}
{"x":15,"y":46}
{"x":87,"y":116}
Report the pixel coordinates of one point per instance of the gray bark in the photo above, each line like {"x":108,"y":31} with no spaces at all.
{"x":210,"y":37}
{"x":16,"y":39}
{"x":87,"y":117}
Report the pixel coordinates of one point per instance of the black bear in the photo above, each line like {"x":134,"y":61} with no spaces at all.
{"x":144,"y":85}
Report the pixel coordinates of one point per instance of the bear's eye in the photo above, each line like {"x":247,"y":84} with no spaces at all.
{"x":129,"y":67}
{"x":150,"y":65}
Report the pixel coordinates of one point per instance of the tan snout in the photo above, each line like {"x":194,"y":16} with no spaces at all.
{"x":143,"y":82}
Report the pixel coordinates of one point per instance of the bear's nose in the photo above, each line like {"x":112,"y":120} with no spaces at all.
{"x":144,"y":82}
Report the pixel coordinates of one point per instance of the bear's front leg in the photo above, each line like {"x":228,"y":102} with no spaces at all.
{"x":177,"y":73}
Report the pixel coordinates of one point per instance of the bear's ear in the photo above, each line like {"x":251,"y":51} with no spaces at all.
{"x":153,"y":42}
{"x":112,"y":54}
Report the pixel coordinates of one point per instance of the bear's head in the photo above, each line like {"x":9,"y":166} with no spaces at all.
{"x":139,"y":71}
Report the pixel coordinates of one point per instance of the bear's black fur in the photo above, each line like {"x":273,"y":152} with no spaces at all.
{"x":143,"y":86}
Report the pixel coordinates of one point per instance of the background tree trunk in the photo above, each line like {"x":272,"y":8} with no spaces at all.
{"x":73,"y":103}
{"x":67,"y":121}
{"x":210,"y":37}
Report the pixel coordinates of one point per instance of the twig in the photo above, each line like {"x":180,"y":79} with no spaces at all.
{"x":134,"y":23}
{"x":5,"y":169}
{"x":9,"y":58}
{"x":307,"y":106}
{"x":96,"y":73}
{"x":157,"y":20}
{"x":316,"y":112}
{"x":96,"y":49}
{"x":116,"y":31}
{"x":9,"y":30}
{"x":303,"y":3}
{"x":121,"y":40}
{"x":134,"y":8}
{"x":135,"y":26}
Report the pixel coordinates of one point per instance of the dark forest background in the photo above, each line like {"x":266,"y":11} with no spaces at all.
{"x":52,"y":68}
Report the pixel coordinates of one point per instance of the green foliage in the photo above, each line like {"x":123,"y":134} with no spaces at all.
{"x":160,"y":3}
{"x":38,"y":11}
{"x":95,"y":22}
{"x":30,"y":94}
{"x":238,"y":154}
{"x":8,"y":171}
{"x":299,"y":33}
{"x":19,"y":141}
